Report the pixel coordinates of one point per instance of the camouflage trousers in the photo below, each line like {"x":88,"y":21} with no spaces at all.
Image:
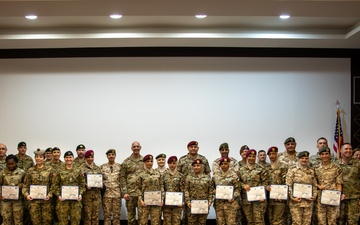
{"x":277,"y":213}
{"x":226,"y":212}
{"x":349,"y":212}
{"x":196,"y":219}
{"x":41,"y":212}
{"x":327,"y":214}
{"x":254,"y":212}
{"x":301,"y":215}
{"x":153,"y":211}
{"x":172,"y":215}
{"x":12,"y":212}
{"x":111,"y":206}
{"x":131,"y":210}
{"x":66,"y":208}
{"x":91,"y":202}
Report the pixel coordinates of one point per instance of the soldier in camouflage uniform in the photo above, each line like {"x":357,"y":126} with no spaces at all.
{"x":160,"y":160}
{"x":243,"y":150}
{"x":289,"y":156}
{"x":277,"y":176}
{"x":12,"y":210}
{"x":80,"y":151}
{"x":41,"y":209}
{"x":92,"y":197}
{"x":149,"y":180}
{"x":198,"y":186}
{"x":173,"y":182}
{"x":350,"y":206}
{"x":3,"y":150}
{"x":130,"y":168}
{"x":224,"y":152}
{"x":226,"y":209}
{"x":301,"y":208}
{"x":329,"y":177}
{"x":112,"y":197}
{"x":68,"y":175}
{"x":48,"y":155}
{"x":253,"y":175}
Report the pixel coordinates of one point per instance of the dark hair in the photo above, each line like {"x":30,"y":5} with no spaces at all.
{"x":355,"y":150}
{"x":13,"y":157}
{"x":346,"y":143}
{"x":261,"y":151}
{"x":321,"y":138}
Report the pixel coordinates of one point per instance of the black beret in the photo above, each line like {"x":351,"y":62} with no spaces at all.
{"x":162,"y":155}
{"x":81,"y":146}
{"x":302,"y":154}
{"x":68,"y":153}
{"x":21,"y":144}
{"x":48,"y":149}
{"x":289,"y":139}
{"x":324,"y":149}
{"x":111,"y":151}
{"x":224,"y":145}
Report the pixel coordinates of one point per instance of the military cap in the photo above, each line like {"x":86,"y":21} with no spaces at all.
{"x":55,"y":148}
{"x":81,"y":146}
{"x":272,"y":149}
{"x":162,"y":155}
{"x":172,"y":159}
{"x":223,"y":145}
{"x":251,"y":152}
{"x":324,"y":149}
{"x":196,"y":161}
{"x":224,"y":159}
{"x":89,"y":153}
{"x":147,"y":157}
{"x":68,"y":153}
{"x":302,"y":154}
{"x":111,"y":151}
{"x":244,"y":147}
{"x":21,"y":144}
{"x":289,"y":139}
{"x":191,"y":143}
{"x":39,"y":152}
{"x":49,"y":149}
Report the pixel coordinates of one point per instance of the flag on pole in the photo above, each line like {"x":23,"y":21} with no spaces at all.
{"x":338,"y":136}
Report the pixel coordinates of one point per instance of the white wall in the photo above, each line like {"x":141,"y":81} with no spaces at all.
{"x":166,"y":102}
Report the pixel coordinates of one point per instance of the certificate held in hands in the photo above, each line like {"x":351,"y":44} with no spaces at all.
{"x":330,"y":197}
{"x":70,"y":192}
{"x":199,"y":207}
{"x":94,"y":180}
{"x":173,"y":198}
{"x":279,"y":192}
{"x":256,"y":194}
{"x":302,"y":190}
{"x":10,"y":192}
{"x":38,"y":191}
{"x":224,"y":192}
{"x":152,"y":197}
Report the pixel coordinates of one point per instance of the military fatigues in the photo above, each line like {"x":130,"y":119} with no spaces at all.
{"x":173,"y":183}
{"x":130,"y":167}
{"x":149,"y":180}
{"x":198,"y":187}
{"x":77,"y":161}
{"x":12,"y":210}
{"x":25,"y":163}
{"x":68,"y":177}
{"x":226,"y":212}
{"x":287,"y":159}
{"x":41,"y":211}
{"x":216,"y":166}
{"x":2,"y":164}
{"x":54,"y":167}
{"x":349,"y":208}
{"x":112,"y":196}
{"x":329,"y":176}
{"x":301,"y":211}
{"x":91,"y":198}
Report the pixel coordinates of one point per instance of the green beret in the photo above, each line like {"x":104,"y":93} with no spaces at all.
{"x":111,"y":151}
{"x":162,"y":155}
{"x":304,"y":153}
{"x":289,"y":139}
{"x":224,"y":145}
{"x":324,"y":149}
{"x":39,"y":152}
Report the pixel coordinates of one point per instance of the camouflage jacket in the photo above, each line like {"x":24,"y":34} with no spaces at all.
{"x":38,"y":176}
{"x":90,"y":169}
{"x":130,"y":168}
{"x":68,"y":177}
{"x":198,"y":188}
{"x":149,"y":180}
{"x":216,"y":167}
{"x":285,"y":158}
{"x":25,"y":163}
{"x":111,"y":175}
{"x":173,"y":182}
{"x":229,"y":178}
{"x":351,"y":178}
{"x":184,"y":165}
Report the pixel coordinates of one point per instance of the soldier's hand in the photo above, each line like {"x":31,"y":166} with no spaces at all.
{"x":189,"y":205}
{"x":47,"y":198}
{"x":126,"y":197}
{"x":247,"y":187}
{"x":61,"y":200}
{"x":80,"y":197}
{"x":297,"y":199}
{"x":230,"y":200}
{"x":29,"y":198}
{"x":142,"y":203}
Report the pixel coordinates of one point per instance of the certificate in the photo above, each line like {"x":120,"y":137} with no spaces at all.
{"x":152,"y":197}
{"x":279,"y":192}
{"x":38,"y":191}
{"x":199,"y":207}
{"x":94,"y":180}
{"x":330,"y":197}
{"x":302,"y":190}
{"x":256,"y":194}
{"x":70,"y":192}
{"x":224,"y":192}
{"x":10,"y":192}
{"x":173,"y":198}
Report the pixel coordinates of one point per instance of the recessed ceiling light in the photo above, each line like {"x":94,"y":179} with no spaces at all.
{"x":202,"y":16}
{"x":284,"y":16}
{"x":31,"y":17}
{"x":115,"y":16}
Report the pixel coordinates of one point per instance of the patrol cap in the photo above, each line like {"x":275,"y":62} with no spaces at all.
{"x":49,"y":149}
{"x":289,"y":139}
{"x":191,"y":143}
{"x":111,"y":151}
{"x":272,"y":149}
{"x":251,"y":152}
{"x":196,"y":161}
{"x":172,"y":159}
{"x":39,"y":152}
{"x":21,"y":144}
{"x":224,"y":159}
{"x":80,"y":146}
{"x":302,"y":154}
{"x":55,"y":149}
{"x":224,"y":145}
{"x":89,"y":153}
{"x":244,"y":147}
{"x":147,"y":157}
{"x":68,"y":153}
{"x":162,"y":155}
{"x":324,"y":149}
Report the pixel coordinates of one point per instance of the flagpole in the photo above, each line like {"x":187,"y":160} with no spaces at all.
{"x":338,"y":129}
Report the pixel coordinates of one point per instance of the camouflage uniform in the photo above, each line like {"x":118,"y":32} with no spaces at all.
{"x":68,"y":177}
{"x":130,"y":167}
{"x":41,"y":211}
{"x":198,"y":188}
{"x":226,"y":212}
{"x":112,"y":196}
{"x":162,"y":170}
{"x":54,"y":167}
{"x":349,"y":208}
{"x":91,"y":198}
{"x":77,"y":162}
{"x":315,"y":160}
{"x":288,"y":160}
{"x":149,"y":180}
{"x":329,"y":176}
{"x":25,"y":163}
{"x":2,"y":164}
{"x":216,"y":167}
{"x":257,"y":176}
{"x":172,"y":183}
{"x":301,"y":211}
{"x":12,"y":210}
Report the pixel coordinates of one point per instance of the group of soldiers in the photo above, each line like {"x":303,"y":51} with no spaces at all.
{"x":190,"y":175}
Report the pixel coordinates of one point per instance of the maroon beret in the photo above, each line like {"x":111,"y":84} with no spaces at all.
{"x":196,"y":161}
{"x":89,"y":153}
{"x":191,"y":143}
{"x":172,"y":159}
{"x":224,"y":159}
{"x":272,"y":149}
{"x":251,"y":152}
{"x":147,"y":157}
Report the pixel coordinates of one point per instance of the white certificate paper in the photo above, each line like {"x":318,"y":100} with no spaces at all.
{"x":152,"y":197}
{"x":38,"y":191}
{"x":302,"y":190}
{"x":70,"y":192}
{"x":224,"y":192}
{"x":173,"y":198}
{"x":256,"y":194}
{"x":199,"y":207}
{"x":10,"y":192}
{"x":94,"y":180}
{"x":330,"y":197}
{"x":279,"y":192}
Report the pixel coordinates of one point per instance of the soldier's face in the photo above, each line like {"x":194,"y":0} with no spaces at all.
{"x":69,"y":159}
{"x":243,"y":154}
{"x":3,"y":150}
{"x":11,"y":164}
{"x":39,"y":159}
{"x":172,"y":165}
{"x":224,"y":166}
{"x":22,"y":150}
{"x":325,"y":156}
{"x":48,"y":155}
{"x":262,"y":156}
{"x":251,"y":158}
{"x":149,"y":163}
{"x":80,"y":152}
{"x":346,"y":151}
{"x":272,"y":156}
{"x":224,"y":152}
{"x":160,"y":162}
{"x":321,"y":143}
{"x":290,"y":146}
{"x":357,"y":155}
{"x":136,"y":147}
{"x":111,"y":157}
{"x":197,"y":168}
{"x":90,"y":159}
{"x":193,"y":150}
{"x":56,"y":154}
{"x":304,"y":160}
